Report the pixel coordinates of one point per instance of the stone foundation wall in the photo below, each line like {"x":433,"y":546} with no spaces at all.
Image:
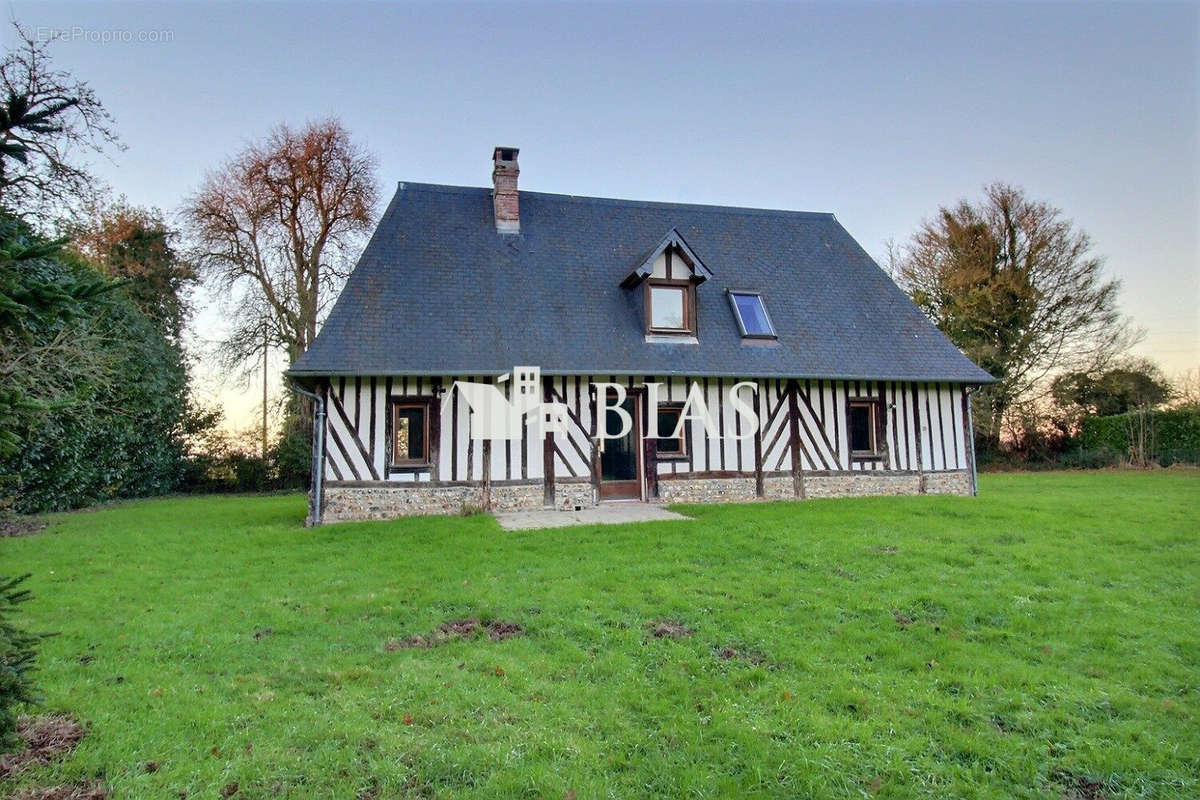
{"x":861,"y":484}
{"x":524,"y":497}
{"x":569,"y":495}
{"x":777,"y":487}
{"x":344,"y":503}
{"x":388,"y":501}
{"x":869,"y":484}
{"x":707,"y":490}
{"x":948,"y":482}
{"x":837,"y":484}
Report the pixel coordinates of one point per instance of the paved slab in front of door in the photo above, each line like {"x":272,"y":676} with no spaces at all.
{"x":604,"y":514}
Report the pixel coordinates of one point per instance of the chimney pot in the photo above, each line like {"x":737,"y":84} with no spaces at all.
{"x":505,"y":201}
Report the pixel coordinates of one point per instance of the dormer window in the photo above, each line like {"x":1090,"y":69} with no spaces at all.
{"x":670,"y":306}
{"x":669,"y":276}
{"x":671,"y":294}
{"x":751,"y":315}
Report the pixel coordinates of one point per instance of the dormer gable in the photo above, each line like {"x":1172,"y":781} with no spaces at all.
{"x":671,"y":259}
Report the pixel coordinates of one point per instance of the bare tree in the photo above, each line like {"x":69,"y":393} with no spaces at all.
{"x":275,"y":231}
{"x":1015,"y":285}
{"x":48,"y":121}
{"x":1185,"y":390}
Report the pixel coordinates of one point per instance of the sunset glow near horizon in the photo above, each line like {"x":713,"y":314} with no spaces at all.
{"x":877,"y":113}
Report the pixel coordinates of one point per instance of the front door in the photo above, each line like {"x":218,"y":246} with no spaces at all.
{"x":619,"y":458}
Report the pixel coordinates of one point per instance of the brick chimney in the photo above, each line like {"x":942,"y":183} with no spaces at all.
{"x":505,"y":204}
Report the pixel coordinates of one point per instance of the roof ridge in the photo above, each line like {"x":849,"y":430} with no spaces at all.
{"x":617,"y":201}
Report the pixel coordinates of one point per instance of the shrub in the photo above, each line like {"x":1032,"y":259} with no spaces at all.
{"x":292,"y":457}
{"x":18,"y":650}
{"x":1080,"y":458}
{"x":220,"y":462}
{"x":110,"y":423}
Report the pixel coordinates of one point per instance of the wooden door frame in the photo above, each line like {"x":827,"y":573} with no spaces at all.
{"x":639,"y":462}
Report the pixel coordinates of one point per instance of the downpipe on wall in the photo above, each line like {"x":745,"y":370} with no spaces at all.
{"x":971,"y":441}
{"x":318,"y":469}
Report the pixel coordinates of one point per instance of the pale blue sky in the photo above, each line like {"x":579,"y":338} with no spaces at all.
{"x":876,"y":112}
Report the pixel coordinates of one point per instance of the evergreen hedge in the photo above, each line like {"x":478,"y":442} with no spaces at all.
{"x":118,"y":430}
{"x":1173,"y":436}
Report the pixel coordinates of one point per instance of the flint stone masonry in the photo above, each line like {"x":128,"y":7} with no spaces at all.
{"x":388,"y":501}
{"x":707,"y":490}
{"x":777,"y":488}
{"x":869,"y":484}
{"x":569,"y":495}
{"x":513,"y":498}
{"x":345,"y":503}
{"x":958,"y":482}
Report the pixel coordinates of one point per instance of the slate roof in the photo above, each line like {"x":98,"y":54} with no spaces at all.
{"x":438,"y":291}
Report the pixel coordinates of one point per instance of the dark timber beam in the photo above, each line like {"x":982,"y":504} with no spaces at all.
{"x":547,"y":452}
{"x":797,"y":448}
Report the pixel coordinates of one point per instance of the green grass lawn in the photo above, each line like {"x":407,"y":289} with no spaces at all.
{"x":1025,"y":643}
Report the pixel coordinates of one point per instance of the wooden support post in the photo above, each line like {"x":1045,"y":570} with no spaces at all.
{"x":547,"y":453}
{"x":594,"y":461}
{"x":487,"y":474}
{"x":881,"y":426}
{"x":650,"y":446}
{"x":797,"y":448}
{"x":435,"y":431}
{"x":759,"y":483}
{"x":916,"y":395}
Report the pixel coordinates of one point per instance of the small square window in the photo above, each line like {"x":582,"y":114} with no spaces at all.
{"x":410,"y":433}
{"x":668,"y":421}
{"x":863,"y":424}
{"x":668,"y":308}
{"x":751,"y":315}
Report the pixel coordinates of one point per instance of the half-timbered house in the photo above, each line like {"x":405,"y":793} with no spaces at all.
{"x":854,"y":391}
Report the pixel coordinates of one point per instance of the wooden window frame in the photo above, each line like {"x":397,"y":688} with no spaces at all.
{"x":395,"y":404}
{"x":689,"y":306}
{"x":677,"y":455}
{"x":878,"y":433}
{"x":737,"y":314}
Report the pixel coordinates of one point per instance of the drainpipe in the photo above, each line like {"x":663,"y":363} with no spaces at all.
{"x":318,"y":469}
{"x":971,"y":442}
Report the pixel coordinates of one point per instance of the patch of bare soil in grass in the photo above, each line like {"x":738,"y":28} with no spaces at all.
{"x":407,"y":643}
{"x":669,"y":629}
{"x":502,"y":629}
{"x":460,"y":627}
{"x":1078,"y":787}
{"x":45,"y":739}
{"x":21,"y":526}
{"x":497,"y":630}
{"x":89,"y":790}
{"x":748,"y":655}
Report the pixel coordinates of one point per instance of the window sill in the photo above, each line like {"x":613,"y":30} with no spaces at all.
{"x":671,"y":338}
{"x":861,"y":455}
{"x":671,"y":459}
{"x":400,"y":469}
